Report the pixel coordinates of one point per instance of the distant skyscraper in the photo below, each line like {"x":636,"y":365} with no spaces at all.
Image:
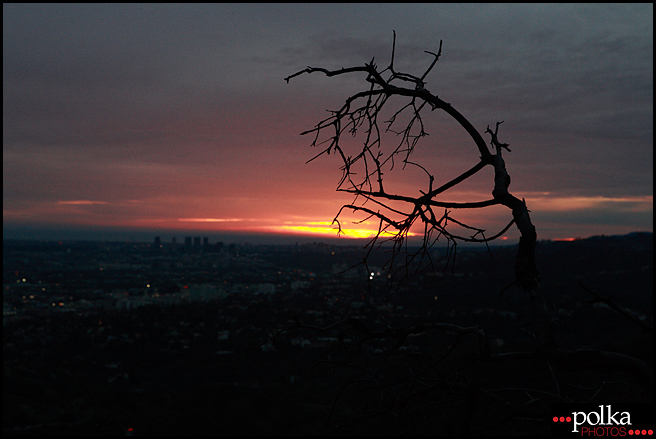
{"x":174,"y":244}
{"x":206,"y":244}
{"x":188,"y":243}
{"x":196,"y":243}
{"x":158,"y":244}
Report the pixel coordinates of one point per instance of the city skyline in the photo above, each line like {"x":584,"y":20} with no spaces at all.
{"x":145,"y":120}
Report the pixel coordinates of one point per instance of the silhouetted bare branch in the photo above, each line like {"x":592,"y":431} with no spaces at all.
{"x":363,"y":171}
{"x":608,"y":300}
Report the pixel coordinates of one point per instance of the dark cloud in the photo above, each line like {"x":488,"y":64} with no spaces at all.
{"x":121,"y":102}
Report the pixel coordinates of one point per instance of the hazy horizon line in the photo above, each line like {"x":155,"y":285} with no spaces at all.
{"x":135,"y":235}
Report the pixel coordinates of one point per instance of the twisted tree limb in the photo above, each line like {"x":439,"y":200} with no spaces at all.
{"x":360,"y":111}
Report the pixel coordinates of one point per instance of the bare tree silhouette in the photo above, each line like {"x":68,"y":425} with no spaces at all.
{"x":434,"y":388}
{"x":363,"y":172}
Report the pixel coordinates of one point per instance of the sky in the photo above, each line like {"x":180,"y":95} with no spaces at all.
{"x":175,"y":119}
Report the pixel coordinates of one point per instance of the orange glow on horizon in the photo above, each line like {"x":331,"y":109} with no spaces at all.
{"x":551,"y":214}
{"x":555,"y":203}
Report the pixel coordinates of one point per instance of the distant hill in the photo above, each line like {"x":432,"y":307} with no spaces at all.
{"x":599,"y":253}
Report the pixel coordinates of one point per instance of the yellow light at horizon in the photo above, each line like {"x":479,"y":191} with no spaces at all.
{"x":349,"y":233}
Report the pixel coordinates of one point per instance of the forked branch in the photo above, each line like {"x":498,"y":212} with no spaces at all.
{"x":364,"y":168}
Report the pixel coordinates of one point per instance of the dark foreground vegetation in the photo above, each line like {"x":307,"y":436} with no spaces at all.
{"x":213,"y":367}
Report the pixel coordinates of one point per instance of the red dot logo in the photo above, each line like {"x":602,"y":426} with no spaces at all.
{"x":562,"y":419}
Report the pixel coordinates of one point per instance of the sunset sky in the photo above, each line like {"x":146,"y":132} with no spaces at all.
{"x":175,"y":119}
